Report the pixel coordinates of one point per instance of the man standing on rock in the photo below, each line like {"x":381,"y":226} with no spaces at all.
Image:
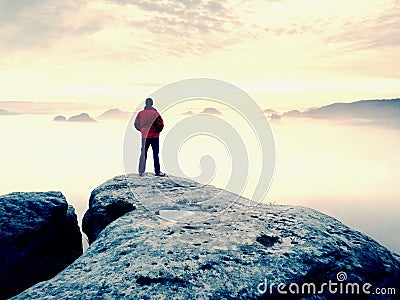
{"x":150,"y":124}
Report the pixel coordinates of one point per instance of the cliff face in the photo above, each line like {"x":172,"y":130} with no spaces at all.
{"x":39,"y":236}
{"x":230,"y":256}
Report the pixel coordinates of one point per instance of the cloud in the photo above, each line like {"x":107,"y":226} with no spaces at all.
{"x":77,"y":43}
{"x":179,"y":27}
{"x":354,"y":26}
{"x":148,"y":84}
{"x":210,"y":15}
{"x":42,"y":108}
{"x":175,"y":27}
{"x":158,"y":30}
{"x":373,"y":32}
{"x":138,"y":30}
{"x":28,"y":24}
{"x":269,"y":111}
{"x":292,"y":29}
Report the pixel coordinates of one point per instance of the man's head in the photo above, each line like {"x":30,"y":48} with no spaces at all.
{"x":149,"y":102}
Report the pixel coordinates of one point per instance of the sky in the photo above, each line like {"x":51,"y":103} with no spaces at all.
{"x":287,"y":54}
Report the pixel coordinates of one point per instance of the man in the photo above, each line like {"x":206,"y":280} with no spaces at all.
{"x":150,"y":124}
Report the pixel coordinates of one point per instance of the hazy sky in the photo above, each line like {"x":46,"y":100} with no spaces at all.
{"x":285,"y":53}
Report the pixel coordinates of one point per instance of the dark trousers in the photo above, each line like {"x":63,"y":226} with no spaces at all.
{"x":155,"y":145}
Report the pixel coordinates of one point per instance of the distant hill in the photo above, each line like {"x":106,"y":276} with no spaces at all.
{"x":365,"y":109}
{"x":293,"y":114}
{"x":187,"y":113}
{"x":4,"y":112}
{"x":60,"y":119}
{"x":211,"y":111}
{"x":275,"y":116}
{"x":83,"y":117}
{"x":114,"y":114}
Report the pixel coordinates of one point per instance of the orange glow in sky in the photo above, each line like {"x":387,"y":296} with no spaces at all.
{"x":287,"y":53}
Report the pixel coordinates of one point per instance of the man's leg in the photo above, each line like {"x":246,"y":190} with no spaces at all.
{"x":143,"y":155}
{"x":155,"y":145}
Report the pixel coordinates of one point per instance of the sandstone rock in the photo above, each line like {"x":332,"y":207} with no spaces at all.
{"x":60,"y":118}
{"x":39,"y":236}
{"x":275,"y":117}
{"x":229,"y":256}
{"x":83,"y":117}
{"x":293,"y":114}
{"x":4,"y":112}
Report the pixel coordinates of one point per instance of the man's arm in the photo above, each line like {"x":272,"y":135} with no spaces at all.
{"x":137,"y":122}
{"x":159,"y":124}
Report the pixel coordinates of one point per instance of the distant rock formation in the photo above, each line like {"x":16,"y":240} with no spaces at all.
{"x":211,"y":111}
{"x":187,"y":113}
{"x":367,"y":109}
{"x":293,"y":114}
{"x":39,"y":237}
{"x":104,"y":211}
{"x":83,"y":117}
{"x":275,"y":117}
{"x":4,"y":112}
{"x":114,"y":114}
{"x":140,"y":256}
{"x":60,"y":118}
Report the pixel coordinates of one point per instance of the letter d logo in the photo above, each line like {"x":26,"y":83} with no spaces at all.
{"x":263,"y":287}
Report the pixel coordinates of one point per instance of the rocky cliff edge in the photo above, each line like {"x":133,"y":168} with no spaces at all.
{"x":237,"y":254}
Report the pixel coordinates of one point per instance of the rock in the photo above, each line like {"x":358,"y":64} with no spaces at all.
{"x":230,"y":256}
{"x":275,"y":116}
{"x":4,"y":112}
{"x":60,"y":119}
{"x":211,"y":111}
{"x":382,"y":110}
{"x":187,"y":113}
{"x":104,"y":208}
{"x":39,"y":237}
{"x":83,"y":117}
{"x":293,"y":114}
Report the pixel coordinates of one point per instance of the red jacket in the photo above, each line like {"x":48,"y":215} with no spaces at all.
{"x":149,"y":123}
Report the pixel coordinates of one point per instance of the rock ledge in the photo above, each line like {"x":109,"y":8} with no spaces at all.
{"x":141,"y":256}
{"x":39,"y":236}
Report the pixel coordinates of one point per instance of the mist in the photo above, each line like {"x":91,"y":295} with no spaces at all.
{"x":348,"y":171}
{"x":345,"y":170}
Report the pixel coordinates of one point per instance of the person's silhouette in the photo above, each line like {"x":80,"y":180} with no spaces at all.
{"x":150,"y":124}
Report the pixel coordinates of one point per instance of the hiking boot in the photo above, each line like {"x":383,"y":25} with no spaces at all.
{"x":161,"y":174}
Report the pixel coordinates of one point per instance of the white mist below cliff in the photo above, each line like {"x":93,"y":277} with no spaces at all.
{"x":348,"y":171}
